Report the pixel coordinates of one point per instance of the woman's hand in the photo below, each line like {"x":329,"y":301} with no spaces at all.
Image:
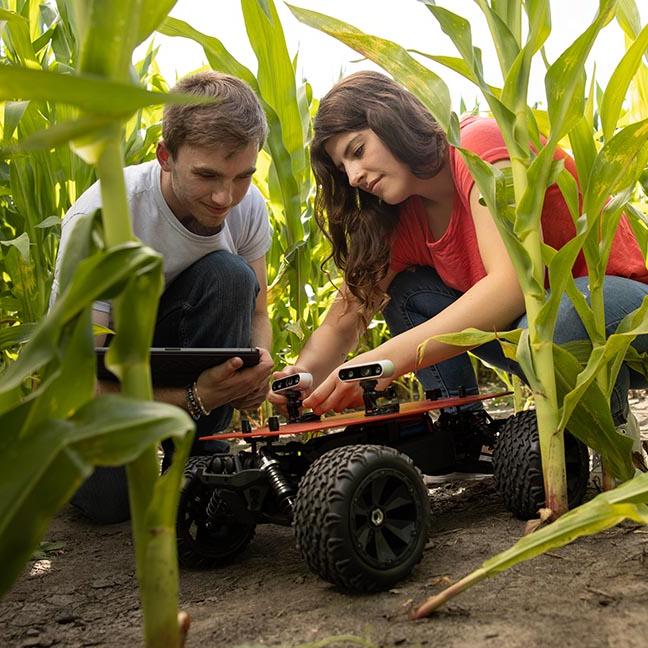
{"x":279,"y":400}
{"x":334,"y":395}
{"x":337,"y":395}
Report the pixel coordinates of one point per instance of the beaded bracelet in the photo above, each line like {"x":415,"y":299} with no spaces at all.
{"x":203,"y":410}
{"x":192,"y":406}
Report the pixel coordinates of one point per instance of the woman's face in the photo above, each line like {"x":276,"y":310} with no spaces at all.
{"x":371,"y":166}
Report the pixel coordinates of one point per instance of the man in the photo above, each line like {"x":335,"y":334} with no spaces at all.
{"x":196,"y":206}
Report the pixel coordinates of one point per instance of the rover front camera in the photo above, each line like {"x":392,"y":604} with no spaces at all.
{"x":368,"y":371}
{"x":294,"y":382}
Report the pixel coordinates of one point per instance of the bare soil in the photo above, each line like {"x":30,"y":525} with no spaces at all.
{"x":592,"y":593}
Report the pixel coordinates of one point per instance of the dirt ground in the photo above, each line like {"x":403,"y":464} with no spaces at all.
{"x":592,"y":593}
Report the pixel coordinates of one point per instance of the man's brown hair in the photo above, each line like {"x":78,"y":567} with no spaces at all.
{"x":234,"y":120}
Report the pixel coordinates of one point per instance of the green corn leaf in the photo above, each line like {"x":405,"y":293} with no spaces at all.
{"x":59,"y":134}
{"x":11,"y":336}
{"x":581,"y":138}
{"x":639,"y":223}
{"x":50,"y":221}
{"x":637,"y":361}
{"x":458,"y":29}
{"x":472,"y":337}
{"x":426,"y":85}
{"x":560,"y":275}
{"x":459,"y":66}
{"x":510,"y":12}
{"x":606,"y":510}
{"x":134,"y":315}
{"x":492,"y":184}
{"x":108,"y":32}
{"x":628,"y":17}
{"x":617,"y":87}
{"x":89,"y":93}
{"x":565,"y":79}
{"x":635,"y":323}
{"x":75,"y":378}
{"x":570,"y":192}
{"x":13,"y":112}
{"x":588,"y":418}
{"x":98,"y":277}
{"x":21,"y":243}
{"x":597,"y":515}
{"x":516,"y":75}
{"x":43,"y":470}
{"x":276,"y":77}
{"x":16,"y":38}
{"x":219,"y":58}
{"x":506,"y":45}
{"x":617,"y":166}
{"x":152,"y":13}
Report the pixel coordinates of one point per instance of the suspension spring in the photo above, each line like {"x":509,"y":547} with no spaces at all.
{"x":280,"y":485}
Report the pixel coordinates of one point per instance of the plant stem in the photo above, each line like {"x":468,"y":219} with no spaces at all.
{"x":552,"y":441}
{"x":110,"y":171}
{"x":438,"y":600}
{"x":153,"y":533}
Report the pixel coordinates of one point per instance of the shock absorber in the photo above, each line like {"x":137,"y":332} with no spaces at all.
{"x":280,"y":485}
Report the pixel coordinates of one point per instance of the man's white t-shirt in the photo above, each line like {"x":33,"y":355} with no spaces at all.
{"x":245,"y":232}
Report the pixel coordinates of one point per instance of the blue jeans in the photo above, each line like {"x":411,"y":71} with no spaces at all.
{"x":419,"y":294}
{"x":210,"y":304}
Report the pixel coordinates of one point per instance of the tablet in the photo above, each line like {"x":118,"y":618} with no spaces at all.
{"x":177,"y":367}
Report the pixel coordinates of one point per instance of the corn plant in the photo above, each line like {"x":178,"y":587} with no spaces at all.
{"x":54,"y":437}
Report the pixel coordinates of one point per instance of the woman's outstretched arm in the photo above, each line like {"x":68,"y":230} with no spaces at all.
{"x":493,"y":303}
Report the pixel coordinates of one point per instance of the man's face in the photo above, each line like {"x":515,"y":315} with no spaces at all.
{"x":201,"y":185}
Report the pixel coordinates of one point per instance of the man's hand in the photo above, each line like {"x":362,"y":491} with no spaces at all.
{"x":228,"y":384}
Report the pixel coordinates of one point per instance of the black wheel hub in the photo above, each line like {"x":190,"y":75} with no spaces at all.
{"x":383,"y":516}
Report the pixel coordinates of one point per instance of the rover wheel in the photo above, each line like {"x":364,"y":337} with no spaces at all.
{"x":518,"y":468}
{"x":206,"y":540}
{"x":361,"y":517}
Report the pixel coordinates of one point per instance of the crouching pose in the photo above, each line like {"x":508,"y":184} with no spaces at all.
{"x":407,"y":229}
{"x":196,"y":206}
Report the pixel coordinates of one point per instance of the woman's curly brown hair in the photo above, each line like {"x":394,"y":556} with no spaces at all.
{"x":358,"y":224}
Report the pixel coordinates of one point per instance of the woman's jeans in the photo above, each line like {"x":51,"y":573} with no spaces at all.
{"x":210,"y":304}
{"x":418,"y":294}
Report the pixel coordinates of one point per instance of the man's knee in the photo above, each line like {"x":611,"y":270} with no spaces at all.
{"x":224,"y":269}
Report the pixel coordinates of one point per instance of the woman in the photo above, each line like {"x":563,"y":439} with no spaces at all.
{"x":408,"y":231}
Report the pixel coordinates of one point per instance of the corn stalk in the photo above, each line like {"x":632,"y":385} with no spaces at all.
{"x":59,"y":426}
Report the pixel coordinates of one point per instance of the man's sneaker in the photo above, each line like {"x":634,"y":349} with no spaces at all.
{"x":631,"y":429}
